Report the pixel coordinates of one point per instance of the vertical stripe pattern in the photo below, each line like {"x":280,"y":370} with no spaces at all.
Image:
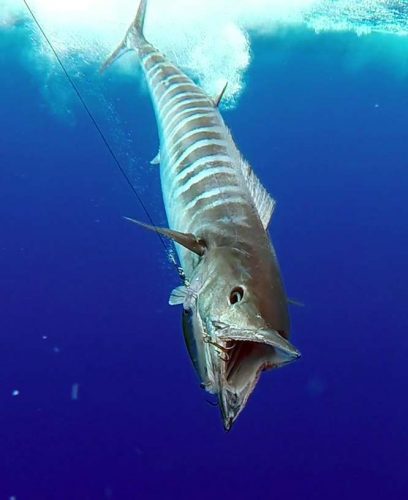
{"x":202,"y":183}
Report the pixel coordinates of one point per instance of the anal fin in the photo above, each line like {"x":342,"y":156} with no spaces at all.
{"x":156,"y":159}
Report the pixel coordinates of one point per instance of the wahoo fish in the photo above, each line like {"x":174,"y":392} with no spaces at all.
{"x":235,"y":310}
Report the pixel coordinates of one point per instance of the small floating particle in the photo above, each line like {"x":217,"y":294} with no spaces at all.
{"x":44,"y":337}
{"x":376,"y":105}
{"x":56,"y":349}
{"x":15,"y":393}
{"x":74,"y":392}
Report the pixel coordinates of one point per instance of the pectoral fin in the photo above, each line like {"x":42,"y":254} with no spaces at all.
{"x":187,"y":240}
{"x":178,"y":295}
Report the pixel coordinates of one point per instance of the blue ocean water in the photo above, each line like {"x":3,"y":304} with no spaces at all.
{"x":323,"y":121}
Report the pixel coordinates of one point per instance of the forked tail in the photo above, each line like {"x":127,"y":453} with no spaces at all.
{"x":134,"y":37}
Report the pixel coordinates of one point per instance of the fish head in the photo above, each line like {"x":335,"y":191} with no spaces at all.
{"x":242,"y":308}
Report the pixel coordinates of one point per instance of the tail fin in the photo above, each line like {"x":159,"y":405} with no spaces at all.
{"x":133,"y":38}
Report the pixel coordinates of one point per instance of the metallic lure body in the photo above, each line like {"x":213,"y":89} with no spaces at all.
{"x":235,"y":317}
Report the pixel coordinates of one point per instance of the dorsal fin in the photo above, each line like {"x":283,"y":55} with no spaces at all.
{"x":263,"y":202}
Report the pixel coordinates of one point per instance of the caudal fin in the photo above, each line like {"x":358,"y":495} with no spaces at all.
{"x":133,"y":39}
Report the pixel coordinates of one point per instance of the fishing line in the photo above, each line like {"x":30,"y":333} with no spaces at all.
{"x":169,"y":254}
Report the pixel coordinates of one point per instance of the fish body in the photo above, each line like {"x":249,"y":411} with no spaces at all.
{"x":235,"y":316}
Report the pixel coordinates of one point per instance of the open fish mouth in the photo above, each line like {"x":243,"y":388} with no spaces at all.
{"x":241,"y":356}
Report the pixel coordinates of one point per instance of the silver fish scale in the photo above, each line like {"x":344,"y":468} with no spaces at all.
{"x":203,"y":189}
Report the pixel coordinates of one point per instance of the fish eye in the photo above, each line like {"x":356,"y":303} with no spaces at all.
{"x":236,"y":295}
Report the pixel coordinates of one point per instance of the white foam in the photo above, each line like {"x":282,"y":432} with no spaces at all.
{"x":207,"y":37}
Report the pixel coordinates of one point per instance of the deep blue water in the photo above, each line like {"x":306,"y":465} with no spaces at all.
{"x":328,"y":137}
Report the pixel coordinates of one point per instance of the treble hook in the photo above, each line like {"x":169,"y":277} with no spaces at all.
{"x":224,"y":350}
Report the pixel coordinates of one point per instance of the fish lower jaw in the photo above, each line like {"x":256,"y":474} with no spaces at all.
{"x":239,"y":375}
{"x":233,"y":370}
{"x":236,"y":368}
